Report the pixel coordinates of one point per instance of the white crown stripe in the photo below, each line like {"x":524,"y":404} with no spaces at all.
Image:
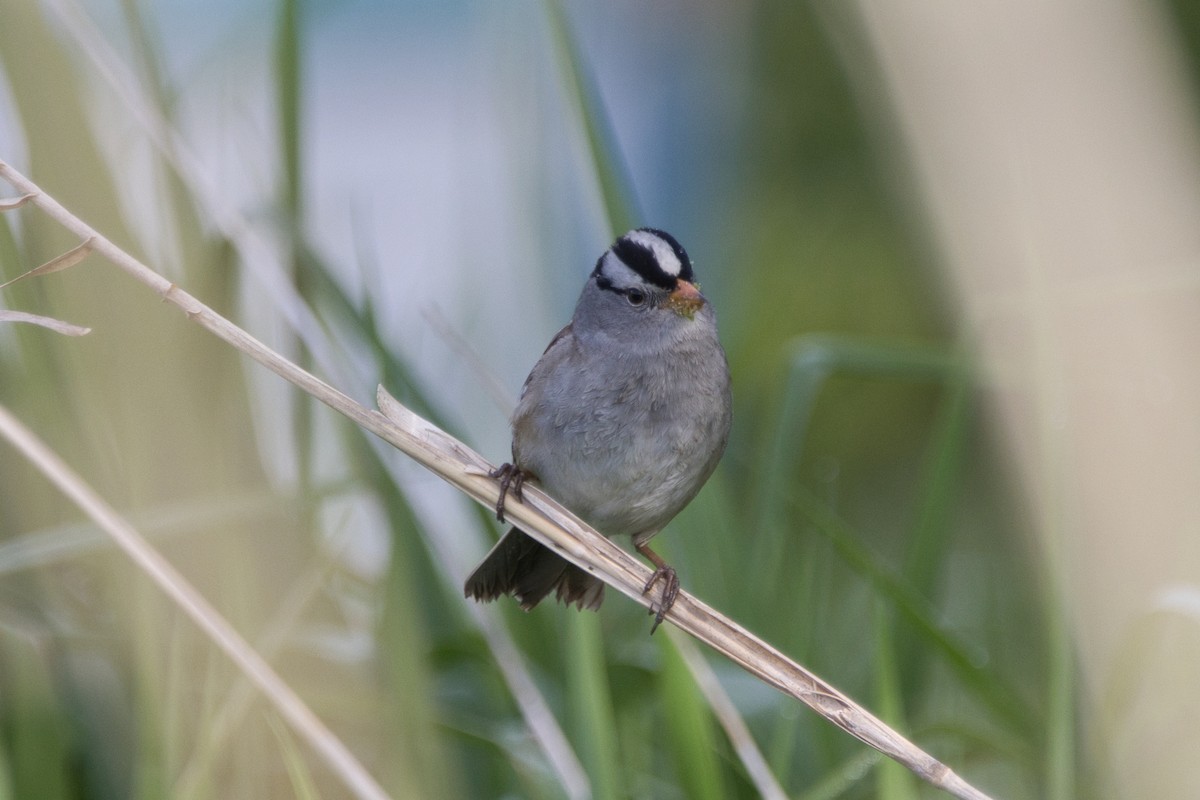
{"x":668,"y":262}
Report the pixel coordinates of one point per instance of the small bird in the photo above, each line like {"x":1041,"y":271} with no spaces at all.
{"x":622,"y":420}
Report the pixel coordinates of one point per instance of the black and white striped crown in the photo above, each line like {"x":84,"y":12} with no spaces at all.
{"x":651,"y":255}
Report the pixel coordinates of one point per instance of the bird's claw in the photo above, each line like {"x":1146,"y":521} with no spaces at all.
{"x":669,"y":593}
{"x":512,"y":478}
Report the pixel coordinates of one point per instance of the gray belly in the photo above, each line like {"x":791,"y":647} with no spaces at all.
{"x":631,"y":455}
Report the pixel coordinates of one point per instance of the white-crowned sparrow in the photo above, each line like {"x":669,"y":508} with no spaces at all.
{"x":622,"y":420}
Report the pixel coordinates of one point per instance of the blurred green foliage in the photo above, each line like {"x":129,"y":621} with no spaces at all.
{"x":860,"y":520}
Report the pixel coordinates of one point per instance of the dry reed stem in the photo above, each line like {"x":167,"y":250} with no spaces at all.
{"x":539,"y":516}
{"x":56,"y":325}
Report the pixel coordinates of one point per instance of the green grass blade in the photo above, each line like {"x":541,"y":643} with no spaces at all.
{"x":894,"y":781}
{"x":942,"y":485}
{"x":591,"y":705}
{"x":996,"y":695}
{"x":941,"y":490}
{"x":414,"y":607}
{"x":289,"y":90}
{"x":1060,"y":701}
{"x":691,"y":739}
{"x":842,"y":780}
{"x":813,"y":360}
{"x":616,"y":187}
{"x":37,"y":730}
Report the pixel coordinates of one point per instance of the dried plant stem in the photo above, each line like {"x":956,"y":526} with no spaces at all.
{"x":539,"y":516}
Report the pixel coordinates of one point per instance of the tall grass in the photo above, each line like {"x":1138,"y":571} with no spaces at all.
{"x":859,"y":520}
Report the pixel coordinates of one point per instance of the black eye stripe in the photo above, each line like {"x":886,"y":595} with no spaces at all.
{"x":607,"y":285}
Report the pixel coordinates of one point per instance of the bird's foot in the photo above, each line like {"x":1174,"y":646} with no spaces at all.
{"x":669,"y":593}
{"x":670,"y":581}
{"x":512,"y":478}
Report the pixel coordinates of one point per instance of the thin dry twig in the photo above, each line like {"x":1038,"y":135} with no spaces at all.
{"x":539,"y":516}
{"x":57,"y":264}
{"x":8,"y":204}
{"x":56,"y":325}
{"x":486,"y":376}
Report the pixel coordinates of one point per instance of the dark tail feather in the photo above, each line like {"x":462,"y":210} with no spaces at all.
{"x":522,"y":567}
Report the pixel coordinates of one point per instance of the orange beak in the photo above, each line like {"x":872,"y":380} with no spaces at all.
{"x":686,"y":300}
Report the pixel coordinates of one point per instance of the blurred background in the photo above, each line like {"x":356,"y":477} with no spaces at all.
{"x":954,"y":254}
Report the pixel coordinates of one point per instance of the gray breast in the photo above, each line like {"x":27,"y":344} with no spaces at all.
{"x":624,"y":440}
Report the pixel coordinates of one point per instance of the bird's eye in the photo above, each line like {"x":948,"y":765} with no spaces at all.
{"x":635,"y":297}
